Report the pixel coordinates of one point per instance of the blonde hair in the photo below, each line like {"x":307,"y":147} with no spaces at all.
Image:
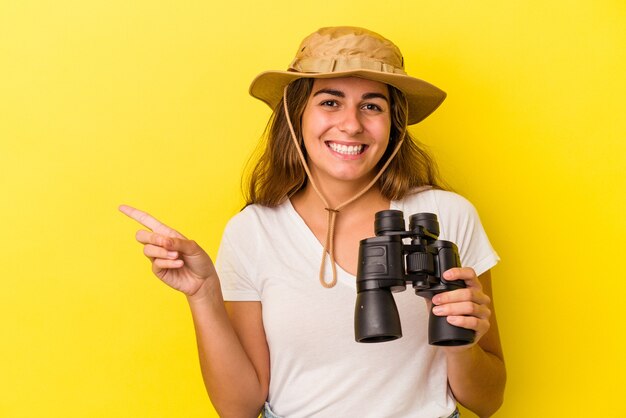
{"x":278,"y":172}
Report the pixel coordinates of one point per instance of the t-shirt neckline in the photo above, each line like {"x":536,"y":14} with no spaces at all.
{"x":342,"y":275}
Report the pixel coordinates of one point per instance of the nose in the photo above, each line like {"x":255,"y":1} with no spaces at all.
{"x":350,"y":122}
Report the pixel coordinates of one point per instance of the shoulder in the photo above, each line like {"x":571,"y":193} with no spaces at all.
{"x":245,"y":231}
{"x":458,"y":222}
{"x":437,"y":201}
{"x":253,"y":217}
{"x":456,"y":215}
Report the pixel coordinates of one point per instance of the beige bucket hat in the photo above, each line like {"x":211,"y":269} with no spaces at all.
{"x":347,"y":51}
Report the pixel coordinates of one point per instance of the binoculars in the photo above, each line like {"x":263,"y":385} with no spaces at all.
{"x":387,"y":265}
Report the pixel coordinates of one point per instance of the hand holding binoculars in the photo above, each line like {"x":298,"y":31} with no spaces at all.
{"x":387,"y":265}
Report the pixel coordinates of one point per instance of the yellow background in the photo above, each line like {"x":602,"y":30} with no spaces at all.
{"x":145,"y":103}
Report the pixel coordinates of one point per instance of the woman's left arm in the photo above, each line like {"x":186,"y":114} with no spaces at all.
{"x":476,"y":372}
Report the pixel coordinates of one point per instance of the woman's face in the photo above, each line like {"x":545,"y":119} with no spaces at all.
{"x":345,"y":126}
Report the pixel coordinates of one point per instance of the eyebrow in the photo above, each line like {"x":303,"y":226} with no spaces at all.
{"x":339,"y":93}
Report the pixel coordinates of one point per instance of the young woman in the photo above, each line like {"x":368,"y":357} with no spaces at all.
{"x":275,"y":328}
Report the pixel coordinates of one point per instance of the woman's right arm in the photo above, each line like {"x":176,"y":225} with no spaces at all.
{"x":233,"y":352}
{"x":232,"y":347}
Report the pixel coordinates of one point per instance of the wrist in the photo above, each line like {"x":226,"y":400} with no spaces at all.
{"x":208,"y":292}
{"x":462,"y":352}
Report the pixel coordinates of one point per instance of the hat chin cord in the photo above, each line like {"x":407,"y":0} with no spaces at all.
{"x":332,"y":212}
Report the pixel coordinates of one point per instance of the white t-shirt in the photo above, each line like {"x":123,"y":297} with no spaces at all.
{"x":317,"y":368}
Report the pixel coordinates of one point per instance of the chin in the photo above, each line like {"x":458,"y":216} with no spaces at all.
{"x":352,"y":177}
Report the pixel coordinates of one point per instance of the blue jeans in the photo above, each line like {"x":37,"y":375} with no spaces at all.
{"x":267,"y":413}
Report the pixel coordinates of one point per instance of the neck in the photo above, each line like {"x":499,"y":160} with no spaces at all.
{"x":337,"y":193}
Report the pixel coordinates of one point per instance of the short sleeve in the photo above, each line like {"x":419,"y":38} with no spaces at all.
{"x":235,"y":264}
{"x":461,"y":224}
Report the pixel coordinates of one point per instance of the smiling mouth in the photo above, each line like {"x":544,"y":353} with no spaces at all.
{"x":347,"y":149}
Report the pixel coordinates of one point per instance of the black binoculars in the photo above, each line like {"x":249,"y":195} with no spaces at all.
{"x":387,"y":265}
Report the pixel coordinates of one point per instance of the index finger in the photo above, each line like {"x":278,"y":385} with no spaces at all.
{"x":467,"y":274}
{"x":148,"y":221}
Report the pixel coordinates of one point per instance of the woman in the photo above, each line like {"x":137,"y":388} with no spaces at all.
{"x":337,"y":152}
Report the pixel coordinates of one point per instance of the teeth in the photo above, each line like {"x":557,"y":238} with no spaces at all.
{"x":346,"y":149}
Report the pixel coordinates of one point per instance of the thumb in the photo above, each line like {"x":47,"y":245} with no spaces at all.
{"x":183,"y":246}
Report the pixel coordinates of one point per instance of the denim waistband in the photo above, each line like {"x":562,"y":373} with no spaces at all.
{"x":268,"y":413}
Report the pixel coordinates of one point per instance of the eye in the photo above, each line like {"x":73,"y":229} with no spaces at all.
{"x":372,"y":107}
{"x":329,"y":103}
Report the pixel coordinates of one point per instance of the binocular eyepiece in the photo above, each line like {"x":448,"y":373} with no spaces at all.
{"x":387,"y":265}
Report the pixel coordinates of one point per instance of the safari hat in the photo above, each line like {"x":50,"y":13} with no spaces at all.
{"x":346,"y":51}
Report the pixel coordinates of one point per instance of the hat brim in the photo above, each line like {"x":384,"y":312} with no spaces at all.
{"x":423,"y":98}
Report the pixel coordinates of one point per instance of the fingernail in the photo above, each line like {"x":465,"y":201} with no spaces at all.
{"x":437,"y":310}
{"x":447,"y":274}
{"x":172,"y":254}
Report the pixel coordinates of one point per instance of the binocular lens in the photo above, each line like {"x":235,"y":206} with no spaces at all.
{"x":388,"y":221}
{"x":428,"y":221}
{"x":376,"y":317}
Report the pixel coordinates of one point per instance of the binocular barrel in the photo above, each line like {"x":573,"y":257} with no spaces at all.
{"x":376,"y":317}
{"x":386,"y":265}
